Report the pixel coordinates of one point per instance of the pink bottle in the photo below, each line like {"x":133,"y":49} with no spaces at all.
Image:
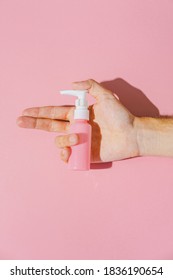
{"x":80,"y":153}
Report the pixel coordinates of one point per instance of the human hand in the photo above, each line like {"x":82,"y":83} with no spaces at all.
{"x":114,"y":136}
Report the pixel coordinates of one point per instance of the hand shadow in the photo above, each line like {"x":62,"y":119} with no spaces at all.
{"x":134,"y":100}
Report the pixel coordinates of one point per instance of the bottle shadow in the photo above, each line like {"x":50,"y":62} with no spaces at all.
{"x":134,"y":100}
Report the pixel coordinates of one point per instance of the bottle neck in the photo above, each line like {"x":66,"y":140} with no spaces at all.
{"x":81,"y":113}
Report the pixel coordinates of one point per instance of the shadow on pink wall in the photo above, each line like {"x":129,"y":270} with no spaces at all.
{"x":134,"y":100}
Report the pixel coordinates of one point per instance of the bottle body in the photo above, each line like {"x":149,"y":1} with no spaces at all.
{"x":81,"y":153}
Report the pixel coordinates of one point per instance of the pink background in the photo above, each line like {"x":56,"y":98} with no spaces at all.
{"x":123,"y":211}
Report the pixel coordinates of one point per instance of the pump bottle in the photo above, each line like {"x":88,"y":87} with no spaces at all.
{"x":80,"y":153}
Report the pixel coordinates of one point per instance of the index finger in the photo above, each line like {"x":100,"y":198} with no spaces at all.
{"x":94,"y":88}
{"x":50,"y":112}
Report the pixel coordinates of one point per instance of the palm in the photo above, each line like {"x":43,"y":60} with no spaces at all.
{"x":113,"y":137}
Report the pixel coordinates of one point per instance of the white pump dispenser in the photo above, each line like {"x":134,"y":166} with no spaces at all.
{"x":80,"y":153}
{"x":81,"y":111}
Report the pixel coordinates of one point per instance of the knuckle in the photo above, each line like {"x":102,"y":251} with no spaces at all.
{"x":91,"y":81}
{"x":66,"y":126}
{"x":52,"y":112}
{"x":70,"y":116}
{"x":63,"y":141}
{"x":51,"y":126}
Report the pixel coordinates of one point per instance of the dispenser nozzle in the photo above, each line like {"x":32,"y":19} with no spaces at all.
{"x":81,"y":110}
{"x":78,"y":93}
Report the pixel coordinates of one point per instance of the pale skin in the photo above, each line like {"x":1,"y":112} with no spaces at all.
{"x":116,"y":133}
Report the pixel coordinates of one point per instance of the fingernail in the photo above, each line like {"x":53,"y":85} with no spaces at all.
{"x":25,"y":112}
{"x":73,"y":139}
{"x":19,"y":122}
{"x":64,"y":153}
{"x":30,"y":112}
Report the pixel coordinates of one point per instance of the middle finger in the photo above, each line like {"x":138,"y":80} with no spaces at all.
{"x":50,"y":112}
{"x":43,"y":124}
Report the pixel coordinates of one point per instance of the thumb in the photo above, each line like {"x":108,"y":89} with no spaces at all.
{"x":94,"y":88}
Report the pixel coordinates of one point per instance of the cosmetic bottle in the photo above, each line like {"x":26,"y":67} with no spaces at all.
{"x":80,"y":153}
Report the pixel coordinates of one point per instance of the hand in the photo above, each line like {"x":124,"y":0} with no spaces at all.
{"x":114,"y":136}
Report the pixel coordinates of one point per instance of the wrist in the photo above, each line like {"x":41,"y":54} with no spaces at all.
{"x":147,"y":136}
{"x":154,"y":136}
